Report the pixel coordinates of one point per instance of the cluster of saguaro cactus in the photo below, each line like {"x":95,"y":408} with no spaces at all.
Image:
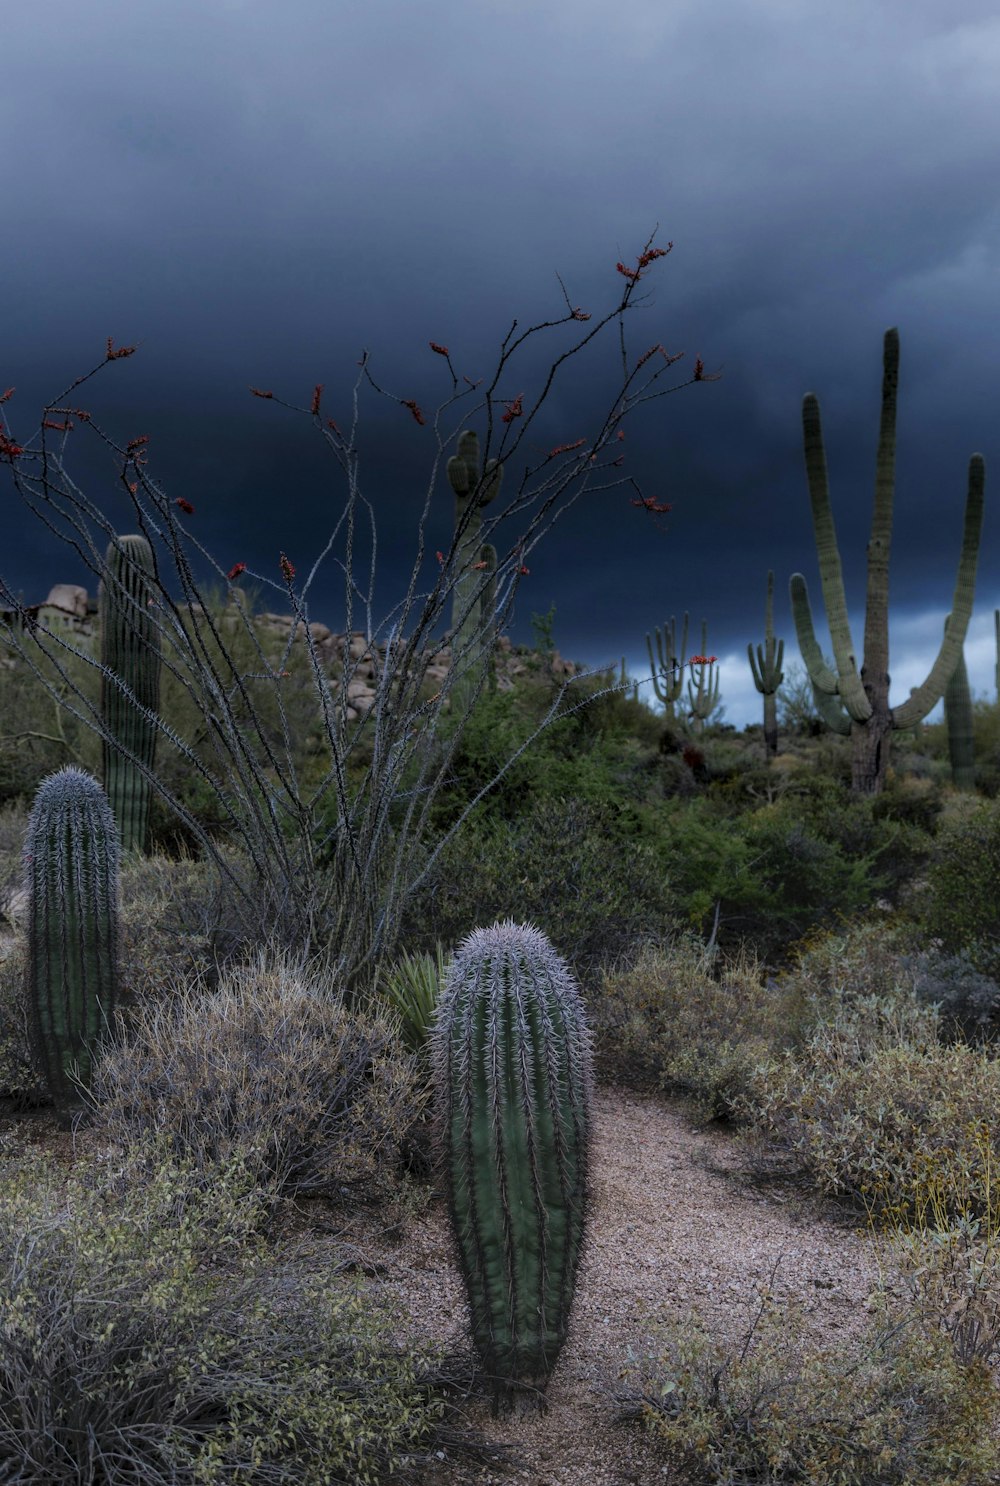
{"x":703,"y":684}
{"x":472,"y":620}
{"x":958,"y":718}
{"x":767,"y":672}
{"x":71,"y":858}
{"x":130,"y":685}
{"x":849,"y":701}
{"x":513,"y":1075}
{"x":668,"y":667}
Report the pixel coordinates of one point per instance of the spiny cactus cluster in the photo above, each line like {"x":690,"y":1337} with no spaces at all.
{"x":513,"y":1075}
{"x":767,"y":672}
{"x":668,"y":668}
{"x":71,"y":858}
{"x":130,"y":684}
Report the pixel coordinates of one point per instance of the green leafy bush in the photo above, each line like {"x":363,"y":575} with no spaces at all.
{"x":959,"y":904}
{"x":147,"y":1336}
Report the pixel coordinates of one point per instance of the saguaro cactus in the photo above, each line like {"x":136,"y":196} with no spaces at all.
{"x":71,"y":858}
{"x":513,"y":1077}
{"x":958,"y":717}
{"x":703,"y":684}
{"x":860,"y":701}
{"x":472,"y":620}
{"x":130,"y":685}
{"x":767,"y":672}
{"x":668,"y":668}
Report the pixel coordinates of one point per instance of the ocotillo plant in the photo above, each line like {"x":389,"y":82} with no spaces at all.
{"x":130,"y":684}
{"x":472,"y":623}
{"x":668,"y":668}
{"x":860,"y":702}
{"x":703,"y":684}
{"x":513,"y":1079}
{"x":767,"y":672}
{"x":71,"y":855}
{"x":958,"y":717}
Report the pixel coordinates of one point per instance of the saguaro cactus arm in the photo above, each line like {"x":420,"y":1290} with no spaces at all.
{"x":924,"y":697}
{"x":766,"y":666}
{"x":824,"y":682}
{"x":848,"y":684}
{"x":668,"y":676}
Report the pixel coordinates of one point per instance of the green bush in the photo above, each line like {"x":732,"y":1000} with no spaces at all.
{"x":960,"y":904}
{"x":891,"y":1410}
{"x":577,"y":870}
{"x":147,"y":1336}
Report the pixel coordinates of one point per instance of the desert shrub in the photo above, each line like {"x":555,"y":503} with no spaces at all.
{"x":695,"y":1028}
{"x":129,"y":1353}
{"x":891,"y":1409}
{"x":959,"y":904}
{"x":871,"y":1096}
{"x":37,"y":736}
{"x":576,"y":870}
{"x":270,"y":1066}
{"x":20,"y":1080}
{"x":968,"y":1000}
{"x":411,"y":991}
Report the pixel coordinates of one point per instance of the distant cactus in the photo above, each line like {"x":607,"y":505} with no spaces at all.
{"x":129,"y":651}
{"x":958,"y":717}
{"x":767,"y":672}
{"x":857,"y":702}
{"x":472,"y":620}
{"x":513,"y":1076}
{"x":668,"y":668}
{"x":703,"y":684}
{"x":71,"y":864}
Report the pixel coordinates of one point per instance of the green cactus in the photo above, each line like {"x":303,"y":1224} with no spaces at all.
{"x":668,"y":668}
{"x":472,"y":620}
{"x":129,"y":651}
{"x":860,"y":701}
{"x":767,"y":672}
{"x":71,"y":858}
{"x":958,"y":717}
{"x":703,"y":686}
{"x":513,"y":1076}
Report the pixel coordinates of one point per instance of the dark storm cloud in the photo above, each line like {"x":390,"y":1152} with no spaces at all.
{"x":255,"y":193}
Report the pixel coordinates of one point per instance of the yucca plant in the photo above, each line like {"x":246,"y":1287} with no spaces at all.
{"x":412,"y":989}
{"x":513,"y":1079}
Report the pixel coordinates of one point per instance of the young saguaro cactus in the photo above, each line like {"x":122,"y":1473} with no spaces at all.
{"x":668,"y":668}
{"x":767,"y":672}
{"x":71,"y":857}
{"x":471,"y":618}
{"x":130,"y":684}
{"x":513,"y":1077}
{"x":858,"y":702}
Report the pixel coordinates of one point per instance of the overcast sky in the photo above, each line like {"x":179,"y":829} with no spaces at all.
{"x":255,"y":193}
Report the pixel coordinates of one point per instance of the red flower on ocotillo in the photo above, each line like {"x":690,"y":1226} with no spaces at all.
{"x":236,"y":569}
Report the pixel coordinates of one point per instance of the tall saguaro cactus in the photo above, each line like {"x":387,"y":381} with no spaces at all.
{"x":668,"y":668}
{"x":472,"y":621}
{"x":703,"y":684}
{"x":767,"y":672}
{"x":513,"y":1075}
{"x":71,"y":856}
{"x":130,"y":684}
{"x":958,"y":718}
{"x":858,"y":702}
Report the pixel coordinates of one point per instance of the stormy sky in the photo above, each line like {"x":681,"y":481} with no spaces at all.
{"x":256,"y":194}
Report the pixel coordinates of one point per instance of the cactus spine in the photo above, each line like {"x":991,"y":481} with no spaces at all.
{"x":472,"y":618}
{"x":703,"y":685}
{"x":71,"y":857}
{"x":767,"y":672}
{"x":513,"y":1077}
{"x":668,"y":668}
{"x":129,"y":651}
{"x":958,"y":717}
{"x":861,"y":700}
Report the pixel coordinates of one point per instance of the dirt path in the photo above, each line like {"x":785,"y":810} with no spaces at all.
{"x":673,"y":1226}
